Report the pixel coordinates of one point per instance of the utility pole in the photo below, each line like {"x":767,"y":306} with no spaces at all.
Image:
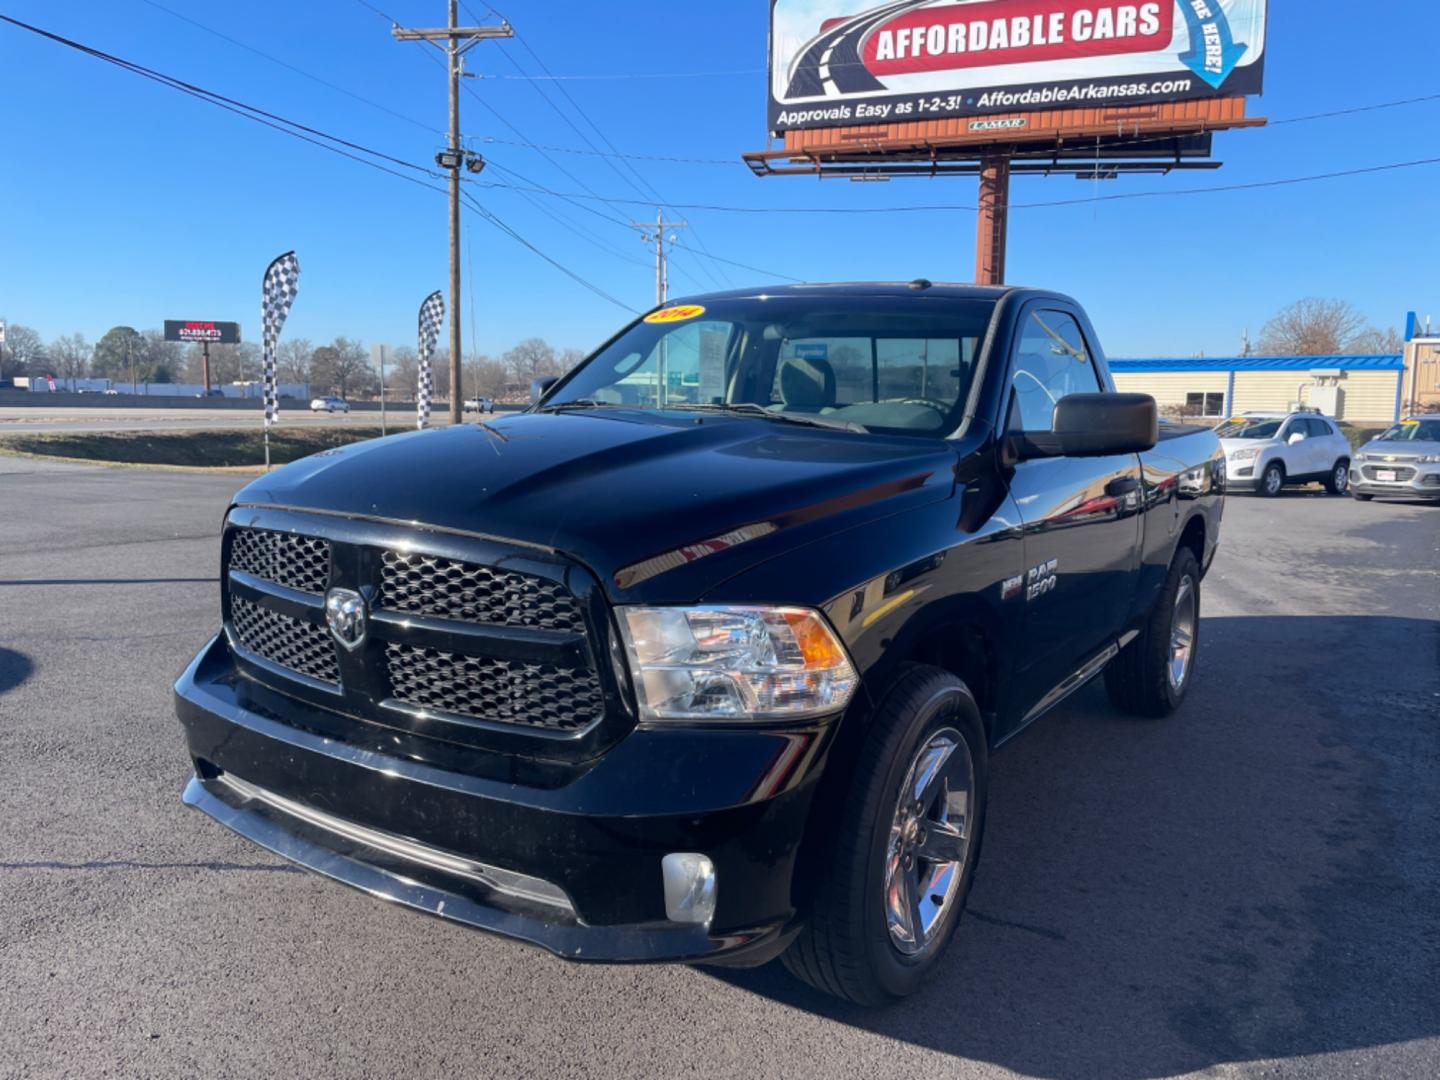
{"x":458,"y":40}
{"x":655,"y":234}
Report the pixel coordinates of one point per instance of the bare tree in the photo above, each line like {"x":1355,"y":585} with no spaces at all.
{"x":343,"y":365}
{"x":292,"y":360}
{"x":1389,"y":342}
{"x":569,"y":358}
{"x":164,"y":360}
{"x":70,"y":353}
{"x":532,"y":358}
{"x":24,"y":351}
{"x":484,"y":377}
{"x":403,"y":372}
{"x":1315,"y":326}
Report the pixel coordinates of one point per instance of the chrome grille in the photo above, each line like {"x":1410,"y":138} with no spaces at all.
{"x":1402,"y":472}
{"x":296,"y":562}
{"x":487,"y":688}
{"x":448,"y":589}
{"x":281,"y":639}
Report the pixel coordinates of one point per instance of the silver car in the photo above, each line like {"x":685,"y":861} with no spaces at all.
{"x":1265,"y":452}
{"x":1403,"y":461}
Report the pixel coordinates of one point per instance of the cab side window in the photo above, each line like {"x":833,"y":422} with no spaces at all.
{"x":1050,"y":361}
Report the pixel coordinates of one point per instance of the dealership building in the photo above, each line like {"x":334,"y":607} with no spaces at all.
{"x":1363,"y":390}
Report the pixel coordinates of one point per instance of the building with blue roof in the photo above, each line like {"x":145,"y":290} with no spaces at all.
{"x":1366,"y":389}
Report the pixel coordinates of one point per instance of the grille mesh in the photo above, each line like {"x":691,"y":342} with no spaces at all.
{"x":447,"y":589}
{"x":297,"y":562}
{"x":299,"y":646}
{"x":1402,"y":472}
{"x":504,"y":691}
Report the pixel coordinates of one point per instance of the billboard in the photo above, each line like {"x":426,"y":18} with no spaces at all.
{"x":831,"y":65}
{"x":213,"y":333}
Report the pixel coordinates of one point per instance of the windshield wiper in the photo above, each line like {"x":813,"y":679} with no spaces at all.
{"x":749,"y":408}
{"x":577,"y":403}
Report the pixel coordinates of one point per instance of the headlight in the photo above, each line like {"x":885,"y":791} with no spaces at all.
{"x":1246,"y":454}
{"x":735,"y":663}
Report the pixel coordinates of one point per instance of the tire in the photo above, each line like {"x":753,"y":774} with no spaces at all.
{"x":848,"y":947}
{"x":1272,"y":480}
{"x":1360,"y":498}
{"x":1338,"y":482}
{"x":1142,"y":680}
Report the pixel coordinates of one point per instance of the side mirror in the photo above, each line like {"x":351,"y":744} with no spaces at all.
{"x":1297,"y":437}
{"x":539,"y":386}
{"x":1094,"y":425}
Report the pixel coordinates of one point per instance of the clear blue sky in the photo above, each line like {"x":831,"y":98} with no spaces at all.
{"x":125,"y":202}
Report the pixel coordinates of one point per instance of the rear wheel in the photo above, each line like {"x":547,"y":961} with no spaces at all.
{"x":905,"y":851}
{"x":1272,"y":480}
{"x":1338,"y":482}
{"x":1151,"y":674}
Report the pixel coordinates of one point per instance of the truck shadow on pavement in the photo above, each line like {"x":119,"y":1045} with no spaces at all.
{"x":1252,"y":878}
{"x":15,"y":669}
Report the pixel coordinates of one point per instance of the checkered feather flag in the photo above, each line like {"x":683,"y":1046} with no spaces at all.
{"x":432,"y":317}
{"x":281,"y":283}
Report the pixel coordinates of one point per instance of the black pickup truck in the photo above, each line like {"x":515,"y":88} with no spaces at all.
{"x":703,"y":656}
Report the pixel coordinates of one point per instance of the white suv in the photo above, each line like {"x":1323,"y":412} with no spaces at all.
{"x":1266,"y":451}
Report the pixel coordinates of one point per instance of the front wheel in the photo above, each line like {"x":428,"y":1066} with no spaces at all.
{"x":1338,"y":482}
{"x":1272,"y":480}
{"x":900,"y":865}
{"x":1151,"y":674}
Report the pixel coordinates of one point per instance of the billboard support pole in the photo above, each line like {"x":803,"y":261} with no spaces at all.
{"x":205,"y":364}
{"x":991,"y":219}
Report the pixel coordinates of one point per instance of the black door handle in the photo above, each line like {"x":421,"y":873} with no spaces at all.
{"x":1121,"y":486}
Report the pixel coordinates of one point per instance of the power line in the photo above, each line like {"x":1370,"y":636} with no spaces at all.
{"x":288,"y":66}
{"x":934,"y":207}
{"x":609,"y":160}
{"x":744,"y":266}
{"x":299,"y":131}
{"x":626,"y":75}
{"x":665,"y":159}
{"x":494,"y":220}
{"x":250,"y":112}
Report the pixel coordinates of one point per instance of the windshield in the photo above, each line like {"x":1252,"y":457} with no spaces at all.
{"x":1246,"y":427}
{"x":1413,"y":431}
{"x":869,"y":363}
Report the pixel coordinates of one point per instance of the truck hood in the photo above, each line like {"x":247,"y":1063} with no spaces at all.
{"x":661,"y":506}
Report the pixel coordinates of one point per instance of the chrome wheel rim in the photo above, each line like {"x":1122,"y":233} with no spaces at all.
{"x":929,"y":841}
{"x":1182,"y":632}
{"x":1273,"y":481}
{"x":1342,"y":477}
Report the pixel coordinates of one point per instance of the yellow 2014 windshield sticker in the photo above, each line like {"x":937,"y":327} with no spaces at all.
{"x":678,"y":313}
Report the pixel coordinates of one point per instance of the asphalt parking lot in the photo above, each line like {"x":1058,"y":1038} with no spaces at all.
{"x":1249,"y":888}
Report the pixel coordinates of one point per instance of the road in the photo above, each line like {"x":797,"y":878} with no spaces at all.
{"x":16,"y":420}
{"x":831,"y":64}
{"x":1247,"y":889}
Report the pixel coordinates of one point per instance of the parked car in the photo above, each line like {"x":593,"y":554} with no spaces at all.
{"x":706,"y":661}
{"x":479,"y":404}
{"x":112,"y":393}
{"x":1265,"y":452}
{"x":329,"y":404}
{"x":1405,"y":460}
{"x":214,"y":391}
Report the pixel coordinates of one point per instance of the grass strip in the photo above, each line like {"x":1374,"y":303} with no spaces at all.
{"x":192,"y":449}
